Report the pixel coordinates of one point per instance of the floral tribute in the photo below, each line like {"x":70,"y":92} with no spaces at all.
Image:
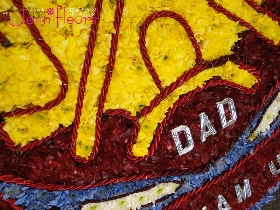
{"x":92,"y":94}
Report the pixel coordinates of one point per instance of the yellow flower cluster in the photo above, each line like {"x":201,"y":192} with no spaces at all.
{"x":29,"y":78}
{"x":86,"y":130}
{"x":258,"y":2}
{"x":228,"y":71}
{"x":264,"y":24}
{"x":168,"y":46}
{"x":171,"y":53}
{"x":35,"y":81}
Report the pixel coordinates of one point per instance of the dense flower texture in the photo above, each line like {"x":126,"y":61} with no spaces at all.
{"x":35,"y":83}
{"x":29,"y":78}
{"x":264,"y":58}
{"x":251,"y":51}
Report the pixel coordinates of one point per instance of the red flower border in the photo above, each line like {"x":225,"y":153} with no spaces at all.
{"x":163,"y":94}
{"x":11,"y":202}
{"x":239,"y":167}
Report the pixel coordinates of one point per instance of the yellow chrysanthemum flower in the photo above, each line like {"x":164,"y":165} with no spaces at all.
{"x":28,"y":78}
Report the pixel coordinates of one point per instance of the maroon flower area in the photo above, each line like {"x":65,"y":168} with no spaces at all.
{"x":8,"y":204}
{"x":51,"y":162}
{"x":272,"y":5}
{"x":5,"y":205}
{"x":255,"y":168}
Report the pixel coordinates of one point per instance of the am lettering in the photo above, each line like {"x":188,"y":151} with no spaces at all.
{"x":241,"y":195}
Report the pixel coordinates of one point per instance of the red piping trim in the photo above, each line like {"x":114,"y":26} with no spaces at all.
{"x":3,"y":40}
{"x":182,"y":99}
{"x":106,"y":84}
{"x":261,"y":10}
{"x":47,"y":50}
{"x":4,"y":16}
{"x":62,"y":73}
{"x":242,"y":22}
{"x":5,"y":136}
{"x":142,"y":41}
{"x":217,"y":180}
{"x":153,"y":147}
{"x":11,"y":202}
{"x":164,"y":93}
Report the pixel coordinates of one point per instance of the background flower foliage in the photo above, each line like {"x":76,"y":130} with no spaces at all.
{"x":36,"y":81}
{"x":32,"y":198}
